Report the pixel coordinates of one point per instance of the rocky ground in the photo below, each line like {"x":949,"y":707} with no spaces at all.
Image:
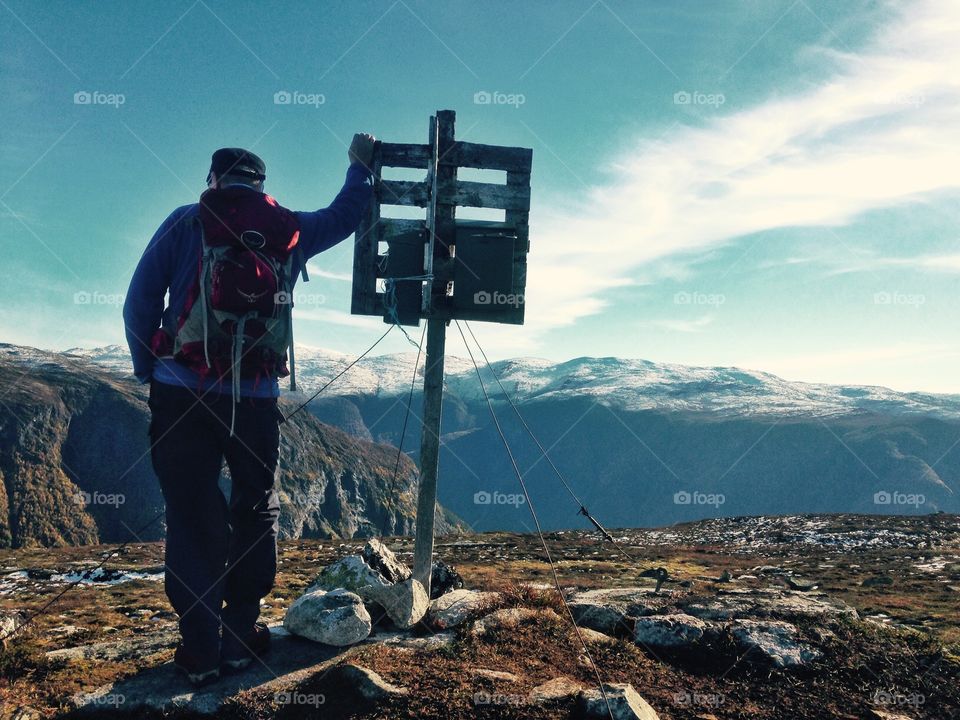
{"x":794,"y":617}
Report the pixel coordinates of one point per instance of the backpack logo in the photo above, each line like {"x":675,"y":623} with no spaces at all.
{"x":251,"y":297}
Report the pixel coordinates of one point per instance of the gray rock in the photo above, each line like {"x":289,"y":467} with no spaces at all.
{"x":777,"y":604}
{"x":405,"y":603}
{"x":349,"y":573}
{"x":774,"y":640}
{"x":606,"y":610}
{"x":608,"y":619}
{"x":592,"y":636}
{"x":379,"y":557}
{"x":625,"y":703}
{"x":62,"y":631}
{"x":559,"y":688}
{"x":9,"y":622}
{"x":799,"y":583}
{"x":453,"y":609}
{"x":139,"y":646}
{"x":876,"y":714}
{"x":669,"y":631}
{"x":437,"y":641}
{"x":493,"y":674}
{"x":333,"y":618}
{"x":768,"y":570}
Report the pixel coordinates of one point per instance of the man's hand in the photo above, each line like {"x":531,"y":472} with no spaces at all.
{"x":361,"y":149}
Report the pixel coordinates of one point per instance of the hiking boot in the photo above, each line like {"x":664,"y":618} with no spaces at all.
{"x":238,"y":653}
{"x":199,"y":670}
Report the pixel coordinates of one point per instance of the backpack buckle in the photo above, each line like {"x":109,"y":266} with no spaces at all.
{"x":253,"y":240}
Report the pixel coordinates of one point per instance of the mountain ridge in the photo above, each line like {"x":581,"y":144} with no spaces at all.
{"x":647,"y":444}
{"x":75,"y":467}
{"x":651,"y":385}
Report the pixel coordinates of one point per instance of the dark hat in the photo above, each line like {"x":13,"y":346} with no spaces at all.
{"x":237,"y":161}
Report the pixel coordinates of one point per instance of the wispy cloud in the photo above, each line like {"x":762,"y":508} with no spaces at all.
{"x":338,"y":317}
{"x":314,"y":270}
{"x":949,"y":263}
{"x":683,"y":326}
{"x":884,"y":131}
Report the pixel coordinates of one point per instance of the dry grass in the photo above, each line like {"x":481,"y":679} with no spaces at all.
{"x":862,"y":658}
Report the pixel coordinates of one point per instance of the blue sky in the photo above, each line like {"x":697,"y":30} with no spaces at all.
{"x":769,"y":183}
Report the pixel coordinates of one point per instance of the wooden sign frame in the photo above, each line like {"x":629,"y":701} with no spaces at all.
{"x":440,"y":193}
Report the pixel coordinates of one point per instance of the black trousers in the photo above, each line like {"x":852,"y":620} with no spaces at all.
{"x":221,"y":555}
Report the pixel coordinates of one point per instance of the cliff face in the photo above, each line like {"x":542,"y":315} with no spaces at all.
{"x":75,"y":464}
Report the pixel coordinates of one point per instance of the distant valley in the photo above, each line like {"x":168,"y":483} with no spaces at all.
{"x":648,"y":444}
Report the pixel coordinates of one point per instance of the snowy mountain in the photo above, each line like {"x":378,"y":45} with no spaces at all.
{"x":623,"y":383}
{"x":646,"y":444}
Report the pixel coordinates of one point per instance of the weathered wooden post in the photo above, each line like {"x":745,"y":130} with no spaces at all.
{"x":441,"y":269}
{"x":440,"y":227}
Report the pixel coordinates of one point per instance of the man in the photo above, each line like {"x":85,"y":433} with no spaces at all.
{"x":213,"y":357}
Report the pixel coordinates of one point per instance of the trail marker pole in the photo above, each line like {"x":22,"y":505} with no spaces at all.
{"x":429,"y":452}
{"x":425,"y":262}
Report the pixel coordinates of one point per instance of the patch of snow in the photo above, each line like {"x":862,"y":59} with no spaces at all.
{"x":15,"y":581}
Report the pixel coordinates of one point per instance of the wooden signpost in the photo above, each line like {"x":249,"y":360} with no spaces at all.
{"x":439,"y":269}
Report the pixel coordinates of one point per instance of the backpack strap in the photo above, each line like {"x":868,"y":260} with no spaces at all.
{"x":293,"y":369}
{"x":204,"y":269}
{"x":301,"y":263}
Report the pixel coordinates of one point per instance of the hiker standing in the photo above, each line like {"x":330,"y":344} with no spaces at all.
{"x":213,"y":358}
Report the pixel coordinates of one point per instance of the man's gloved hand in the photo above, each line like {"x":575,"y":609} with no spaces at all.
{"x":361,"y":149}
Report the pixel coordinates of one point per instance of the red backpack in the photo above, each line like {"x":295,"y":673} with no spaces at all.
{"x":236,"y":321}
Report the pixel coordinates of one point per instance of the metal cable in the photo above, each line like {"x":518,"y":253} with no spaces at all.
{"x":536,"y":522}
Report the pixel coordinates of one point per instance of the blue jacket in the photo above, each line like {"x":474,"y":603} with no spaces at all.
{"x":170,"y":263}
